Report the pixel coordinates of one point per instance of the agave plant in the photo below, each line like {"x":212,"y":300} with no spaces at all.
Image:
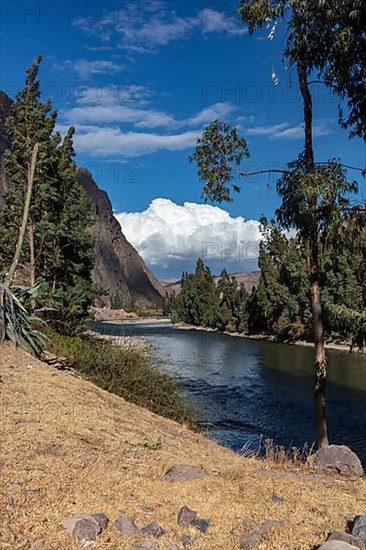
{"x":16,"y":324}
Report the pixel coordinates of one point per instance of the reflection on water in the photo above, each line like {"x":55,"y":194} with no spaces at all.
{"x":247,"y":388}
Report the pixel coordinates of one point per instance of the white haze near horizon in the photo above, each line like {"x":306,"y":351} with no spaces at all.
{"x":170,"y":237}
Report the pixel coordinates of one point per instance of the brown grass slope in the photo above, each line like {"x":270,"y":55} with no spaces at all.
{"x":69,"y":447}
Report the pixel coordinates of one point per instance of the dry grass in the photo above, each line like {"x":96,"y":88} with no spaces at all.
{"x":68,"y":447}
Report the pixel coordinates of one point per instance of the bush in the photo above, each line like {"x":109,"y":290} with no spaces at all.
{"x":16,"y":324}
{"x":123,"y":372}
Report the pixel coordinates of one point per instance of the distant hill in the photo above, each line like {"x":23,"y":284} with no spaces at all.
{"x":249,"y":279}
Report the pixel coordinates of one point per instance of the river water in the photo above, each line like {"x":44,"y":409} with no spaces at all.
{"x":246,"y":389}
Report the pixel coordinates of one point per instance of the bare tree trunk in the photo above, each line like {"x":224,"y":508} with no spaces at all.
{"x":314,"y":253}
{"x":23,"y":227}
{"x":32,"y":256}
{"x":319,"y":344}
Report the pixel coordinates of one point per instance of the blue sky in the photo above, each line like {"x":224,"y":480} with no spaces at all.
{"x":140,"y":81}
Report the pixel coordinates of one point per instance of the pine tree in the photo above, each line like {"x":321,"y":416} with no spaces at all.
{"x":30,"y":122}
{"x":58,"y":251}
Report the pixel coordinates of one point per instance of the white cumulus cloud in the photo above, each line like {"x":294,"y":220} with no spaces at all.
{"x":170,"y":237}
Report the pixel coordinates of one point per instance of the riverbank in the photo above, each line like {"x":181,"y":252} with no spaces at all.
{"x":70,"y":447}
{"x":264,"y":337}
{"x":130,"y":343}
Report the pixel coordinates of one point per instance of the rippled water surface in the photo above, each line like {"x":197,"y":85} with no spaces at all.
{"x":247,"y":389}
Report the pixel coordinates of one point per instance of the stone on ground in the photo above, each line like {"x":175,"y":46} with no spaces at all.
{"x":346,"y":537}
{"x":337,"y":545}
{"x":153,"y":529}
{"x":183,"y":472}
{"x":337,"y":459}
{"x":186,"y":516}
{"x":359,"y":528}
{"x":126,"y":526}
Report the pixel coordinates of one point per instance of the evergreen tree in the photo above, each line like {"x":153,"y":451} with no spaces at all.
{"x":30,"y":122}
{"x":58,"y":251}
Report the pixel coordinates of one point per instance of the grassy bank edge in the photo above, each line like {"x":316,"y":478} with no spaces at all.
{"x":127,"y":373}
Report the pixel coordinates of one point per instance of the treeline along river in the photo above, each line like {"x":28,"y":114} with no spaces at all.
{"x":246,"y":389}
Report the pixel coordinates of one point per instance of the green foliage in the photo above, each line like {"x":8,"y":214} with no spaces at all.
{"x":203,"y":303}
{"x":123,"y":372}
{"x":58,"y":250}
{"x":314,"y":203}
{"x":218,"y":155}
{"x":330,"y":39}
{"x":349,"y":322}
{"x":198,"y":302}
{"x":16,"y":325}
{"x":280,"y":306}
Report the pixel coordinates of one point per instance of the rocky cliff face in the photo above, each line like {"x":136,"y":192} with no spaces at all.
{"x":118,"y":267}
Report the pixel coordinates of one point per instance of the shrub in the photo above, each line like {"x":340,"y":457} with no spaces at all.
{"x":123,"y":372}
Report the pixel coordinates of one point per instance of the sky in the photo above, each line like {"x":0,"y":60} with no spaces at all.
{"x":140,"y":81}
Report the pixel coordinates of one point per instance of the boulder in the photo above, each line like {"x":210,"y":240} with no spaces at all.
{"x":346,"y":537}
{"x":359,"y":528}
{"x":338,"y":459}
{"x":186,"y":516}
{"x":126,"y":526}
{"x":86,"y":532}
{"x":153,"y":529}
{"x":85,"y":528}
{"x":201,"y":524}
{"x":337,"y":545}
{"x":101,"y":519}
{"x":184,"y":472}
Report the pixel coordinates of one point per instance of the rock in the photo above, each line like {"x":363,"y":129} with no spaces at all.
{"x":337,"y":545}
{"x":172,"y":546}
{"x":86,"y":532}
{"x":126,"y":526}
{"x":338,"y":459}
{"x":153,"y":529}
{"x":201,"y":524}
{"x":181,"y":472}
{"x":186,"y":516}
{"x":147,"y":545}
{"x":118,"y":267}
{"x":346,"y":537}
{"x":102,"y":520}
{"x":251,"y":540}
{"x":37,"y":544}
{"x":186,"y":541}
{"x":70,"y":522}
{"x":277,"y":499}
{"x":359,"y":528}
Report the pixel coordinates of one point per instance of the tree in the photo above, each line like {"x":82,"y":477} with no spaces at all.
{"x":337,"y":44}
{"x":30,"y":122}
{"x":232,"y":312}
{"x":220,"y":150}
{"x":58,"y":250}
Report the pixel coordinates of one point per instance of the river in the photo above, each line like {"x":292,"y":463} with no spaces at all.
{"x":246,"y":389}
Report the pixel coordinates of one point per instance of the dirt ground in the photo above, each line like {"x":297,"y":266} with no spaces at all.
{"x":68,"y":447}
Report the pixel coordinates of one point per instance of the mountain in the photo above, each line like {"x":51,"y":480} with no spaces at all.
{"x":249,"y":279}
{"x":118,"y":266}
{"x":118,"y":269}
